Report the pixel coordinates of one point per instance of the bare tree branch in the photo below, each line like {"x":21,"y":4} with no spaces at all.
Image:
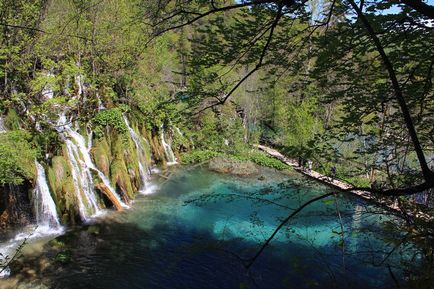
{"x":258,"y":65}
{"x":283,"y":223}
{"x":40,"y":30}
{"x":205,"y":14}
{"x":420,"y":7}
{"x":427,"y":173}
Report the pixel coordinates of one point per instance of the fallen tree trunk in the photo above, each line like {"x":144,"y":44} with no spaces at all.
{"x":110,"y":195}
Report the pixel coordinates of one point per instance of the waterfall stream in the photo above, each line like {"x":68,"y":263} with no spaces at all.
{"x":84,"y":175}
{"x":82,"y":167}
{"x":144,"y":173}
{"x":44,"y":206}
{"x":2,"y":125}
{"x":83,"y":183}
{"x":47,"y":221}
{"x":170,"y":156}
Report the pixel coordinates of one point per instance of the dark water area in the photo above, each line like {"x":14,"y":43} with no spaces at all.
{"x":199,"y":229}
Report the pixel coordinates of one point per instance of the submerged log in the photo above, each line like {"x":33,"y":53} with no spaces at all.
{"x":110,"y":195}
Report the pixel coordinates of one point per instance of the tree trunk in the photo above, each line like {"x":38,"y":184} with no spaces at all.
{"x":110,"y":195}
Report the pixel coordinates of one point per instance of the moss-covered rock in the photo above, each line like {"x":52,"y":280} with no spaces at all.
{"x":158,"y":149}
{"x":131,"y":159}
{"x":119,"y":171}
{"x":232,"y":166}
{"x":102,"y":155}
{"x":146,"y":144}
{"x":62,"y":185}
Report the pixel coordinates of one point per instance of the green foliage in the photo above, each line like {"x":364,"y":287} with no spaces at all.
{"x":302,"y":126}
{"x":206,"y":136}
{"x":63,"y":257}
{"x":110,"y":118}
{"x":262,"y":159}
{"x":12,"y":120}
{"x":48,"y":140}
{"x":257,"y":157}
{"x":198,"y":156}
{"x":17,"y":157}
{"x":57,"y":243}
{"x":358,"y":181}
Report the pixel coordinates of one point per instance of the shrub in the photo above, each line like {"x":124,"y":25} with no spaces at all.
{"x":112,"y":118}
{"x":257,"y":157}
{"x":262,"y":159}
{"x":17,"y":157}
{"x":198,"y":156}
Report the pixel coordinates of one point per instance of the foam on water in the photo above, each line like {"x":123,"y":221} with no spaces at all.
{"x":150,"y":189}
{"x":28,"y":234}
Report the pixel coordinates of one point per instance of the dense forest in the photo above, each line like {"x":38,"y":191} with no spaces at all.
{"x":95,"y":93}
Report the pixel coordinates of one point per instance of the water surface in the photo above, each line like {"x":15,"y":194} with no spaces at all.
{"x":199,"y":229}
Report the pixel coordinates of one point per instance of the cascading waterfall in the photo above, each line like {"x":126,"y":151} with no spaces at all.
{"x":44,"y":206}
{"x":100,"y":103}
{"x":179,"y":131}
{"x":48,"y":92}
{"x":47,"y":220}
{"x":2,"y":125}
{"x":83,"y":185}
{"x":170,"y":156}
{"x":82,"y":164}
{"x":144,"y":173}
{"x":79,"y":84}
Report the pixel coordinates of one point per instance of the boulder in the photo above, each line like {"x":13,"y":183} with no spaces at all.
{"x":234,"y":167}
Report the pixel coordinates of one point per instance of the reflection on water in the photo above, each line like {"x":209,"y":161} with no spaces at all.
{"x":199,"y":228}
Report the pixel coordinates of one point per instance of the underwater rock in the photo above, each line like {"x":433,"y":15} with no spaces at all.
{"x":234,"y":167}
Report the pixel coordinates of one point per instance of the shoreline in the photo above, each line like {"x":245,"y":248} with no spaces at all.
{"x":335,"y":182}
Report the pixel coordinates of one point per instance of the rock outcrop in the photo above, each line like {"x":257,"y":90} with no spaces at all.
{"x":234,"y":167}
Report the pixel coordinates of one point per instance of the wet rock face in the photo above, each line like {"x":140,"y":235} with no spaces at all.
{"x":15,"y":208}
{"x":234,"y":167}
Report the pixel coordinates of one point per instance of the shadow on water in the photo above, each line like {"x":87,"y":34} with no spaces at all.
{"x":200,"y":228}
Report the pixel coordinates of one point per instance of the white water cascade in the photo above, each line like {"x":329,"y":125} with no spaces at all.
{"x":179,"y":131}
{"x":47,"y":221}
{"x":170,"y":156}
{"x":44,"y":206}
{"x":48,"y":92}
{"x":144,"y":173}
{"x":2,"y":125}
{"x":82,"y":166}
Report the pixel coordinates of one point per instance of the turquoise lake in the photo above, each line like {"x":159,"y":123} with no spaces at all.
{"x":199,"y":229}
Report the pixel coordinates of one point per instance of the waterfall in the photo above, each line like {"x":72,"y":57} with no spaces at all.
{"x":79,"y":84}
{"x":47,"y":92}
{"x":47,"y":221}
{"x":141,"y":155}
{"x":2,"y":125}
{"x":100,"y":103}
{"x":170,"y":156}
{"x":82,"y":167}
{"x":179,"y":131}
{"x":44,"y":206}
{"x":83,"y":184}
